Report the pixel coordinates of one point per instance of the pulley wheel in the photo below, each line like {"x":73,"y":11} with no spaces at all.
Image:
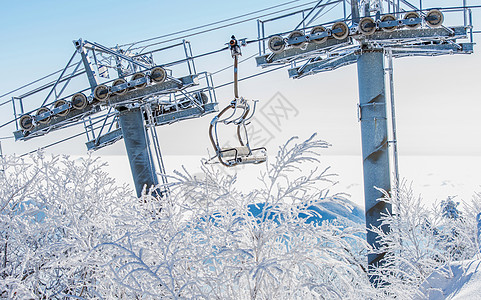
{"x":367,"y":26}
{"x":138,"y":76}
{"x":101,"y":92}
{"x":59,"y":103}
{"x":412,"y":15}
{"x":203,"y":97}
{"x":434,"y":18}
{"x":26,"y":122}
{"x":316,"y":30}
{"x":79,"y":101}
{"x":41,"y":111}
{"x":119,"y":81}
{"x":296,"y":35}
{"x":158,"y":74}
{"x":276,"y":44}
{"x":341,"y":34}
{"x":391,"y":20}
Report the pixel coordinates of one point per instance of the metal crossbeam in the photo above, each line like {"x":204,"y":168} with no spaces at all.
{"x":184,"y":114}
{"x":75,"y":115}
{"x":105,"y":140}
{"x":291,"y":54}
{"x":399,"y":38}
{"x":323,"y":65}
{"x":419,"y":35}
{"x":337,"y":61}
{"x":152,"y":90}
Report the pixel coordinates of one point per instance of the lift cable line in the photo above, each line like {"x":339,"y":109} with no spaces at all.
{"x":178,"y":38}
{"x":82,"y":71}
{"x":234,"y":23}
{"x":203,"y":26}
{"x":33,"y":82}
{"x":219,"y":27}
{"x":198,"y":56}
{"x":202,"y":32}
{"x":55,"y":143}
{"x":222,"y":21}
{"x":217,"y":87}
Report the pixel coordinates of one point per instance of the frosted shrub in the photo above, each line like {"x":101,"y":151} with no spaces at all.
{"x":67,"y":231}
{"x":410,"y":245}
{"x":471,"y":226}
{"x":456,"y":231}
{"x":422,"y":240}
{"x":210,"y":241}
{"x":53,"y":211}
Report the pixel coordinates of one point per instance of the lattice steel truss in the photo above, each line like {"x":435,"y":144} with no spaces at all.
{"x":139,"y":81}
{"x":141,"y":95}
{"x":405,"y":29}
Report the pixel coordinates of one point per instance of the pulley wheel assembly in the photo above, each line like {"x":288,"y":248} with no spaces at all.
{"x":79,"y":101}
{"x":60,"y":103}
{"x":276,"y":44}
{"x":139,"y":76}
{"x":101,"y":92}
{"x":42,"y":111}
{"x":318,"y":30}
{"x":296,"y":36}
{"x":340,"y":30}
{"x":390,"y":19}
{"x":26,"y":122}
{"x":158,"y":74}
{"x":117,"y":82}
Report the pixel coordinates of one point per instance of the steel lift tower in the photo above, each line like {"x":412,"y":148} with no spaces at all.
{"x":367,"y":33}
{"x":142,"y":95}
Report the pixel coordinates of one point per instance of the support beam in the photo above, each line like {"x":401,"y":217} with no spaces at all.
{"x":87,"y":64}
{"x":356,"y":17}
{"x":374,"y":134}
{"x":140,"y":158}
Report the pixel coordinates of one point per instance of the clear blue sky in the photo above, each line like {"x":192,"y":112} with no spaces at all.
{"x":438,"y":102}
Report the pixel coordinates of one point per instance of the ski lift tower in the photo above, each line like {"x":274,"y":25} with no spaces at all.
{"x":142,"y":95}
{"x":366,"y":33}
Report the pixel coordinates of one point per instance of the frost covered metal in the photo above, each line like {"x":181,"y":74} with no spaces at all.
{"x":142,"y":95}
{"x":364,"y":32}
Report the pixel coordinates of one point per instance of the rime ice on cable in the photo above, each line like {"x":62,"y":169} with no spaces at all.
{"x":239,"y":116}
{"x":374,"y":30}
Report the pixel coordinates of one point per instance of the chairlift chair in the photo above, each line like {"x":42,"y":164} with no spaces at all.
{"x":241,"y":113}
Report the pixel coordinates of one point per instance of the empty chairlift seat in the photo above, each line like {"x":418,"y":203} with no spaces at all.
{"x":244,"y":154}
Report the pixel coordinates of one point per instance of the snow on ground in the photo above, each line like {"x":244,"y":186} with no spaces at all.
{"x":457,"y":281}
{"x":434,"y":177}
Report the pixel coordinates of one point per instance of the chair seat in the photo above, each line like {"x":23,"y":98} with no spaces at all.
{"x":243,"y":154}
{"x":235,"y":151}
{"x":254,"y":159}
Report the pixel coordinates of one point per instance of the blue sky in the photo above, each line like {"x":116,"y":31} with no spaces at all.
{"x":438,"y":105}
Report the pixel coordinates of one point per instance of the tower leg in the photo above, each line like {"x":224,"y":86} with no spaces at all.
{"x":140,"y":158}
{"x":374,"y":134}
